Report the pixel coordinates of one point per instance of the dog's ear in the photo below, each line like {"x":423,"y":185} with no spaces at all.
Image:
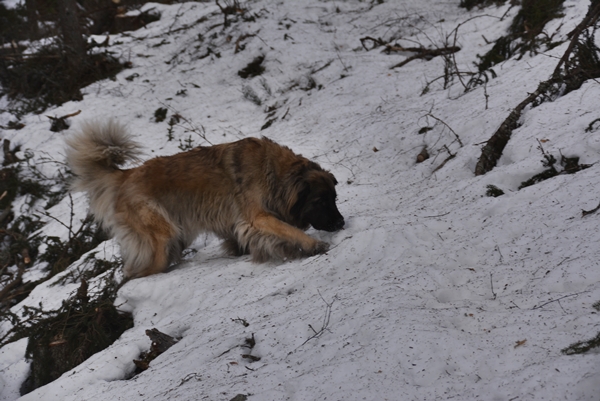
{"x":301,"y":199}
{"x":335,"y":182}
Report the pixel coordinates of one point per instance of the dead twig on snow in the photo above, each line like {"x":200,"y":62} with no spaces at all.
{"x":420,"y":52}
{"x":326,"y":319}
{"x":586,"y":212}
{"x":558,"y":299}
{"x":428,"y":54}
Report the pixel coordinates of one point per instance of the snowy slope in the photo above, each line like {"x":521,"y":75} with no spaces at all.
{"x":430,"y":288}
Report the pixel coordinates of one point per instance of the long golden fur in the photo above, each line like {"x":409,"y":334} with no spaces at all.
{"x":255,"y":194}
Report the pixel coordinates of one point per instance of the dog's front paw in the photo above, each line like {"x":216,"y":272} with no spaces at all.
{"x":318,"y":248}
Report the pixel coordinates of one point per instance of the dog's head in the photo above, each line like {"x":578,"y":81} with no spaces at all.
{"x":315,"y":201}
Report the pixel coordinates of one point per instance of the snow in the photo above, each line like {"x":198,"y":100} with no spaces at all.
{"x":11,"y":3}
{"x":431,"y":291}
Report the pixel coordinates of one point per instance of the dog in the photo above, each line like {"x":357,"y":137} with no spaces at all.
{"x":256,"y":195}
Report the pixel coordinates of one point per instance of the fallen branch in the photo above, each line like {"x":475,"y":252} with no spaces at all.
{"x":428,"y":54}
{"x":492,"y":151}
{"x":421,"y":52}
{"x":388,"y":47}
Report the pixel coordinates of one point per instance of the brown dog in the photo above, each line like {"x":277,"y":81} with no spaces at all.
{"x":255,"y":194}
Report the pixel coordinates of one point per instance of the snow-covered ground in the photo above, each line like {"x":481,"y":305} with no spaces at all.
{"x":432,"y":290}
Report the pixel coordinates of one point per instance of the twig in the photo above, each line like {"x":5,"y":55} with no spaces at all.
{"x":326,"y":318}
{"x":428,"y":54}
{"x":443,"y":164}
{"x":561,"y":307}
{"x":492,"y":284}
{"x":327,"y":64}
{"x":201,"y":132}
{"x":452,"y":156}
{"x":447,"y":126}
{"x":558,"y":299}
{"x":421,"y":52}
{"x":487,"y":97}
{"x":454,"y":64}
{"x":70,"y":226}
{"x":586,"y":212}
{"x":590,"y":127}
{"x":388,"y":47}
{"x":65,"y":116}
{"x":241,"y":321}
{"x":437,"y":215}
{"x":189,"y":377}
{"x":239,"y":40}
{"x":341,"y":61}
{"x":500,"y":253}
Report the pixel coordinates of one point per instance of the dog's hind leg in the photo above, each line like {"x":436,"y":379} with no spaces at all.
{"x":147,"y":246}
{"x":232,"y":247}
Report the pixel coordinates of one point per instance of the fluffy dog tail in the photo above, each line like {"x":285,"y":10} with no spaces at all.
{"x":94,"y":155}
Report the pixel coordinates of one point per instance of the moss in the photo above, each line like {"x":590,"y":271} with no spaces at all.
{"x":253,"y":69}
{"x":160,"y":114}
{"x":494,"y":191}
